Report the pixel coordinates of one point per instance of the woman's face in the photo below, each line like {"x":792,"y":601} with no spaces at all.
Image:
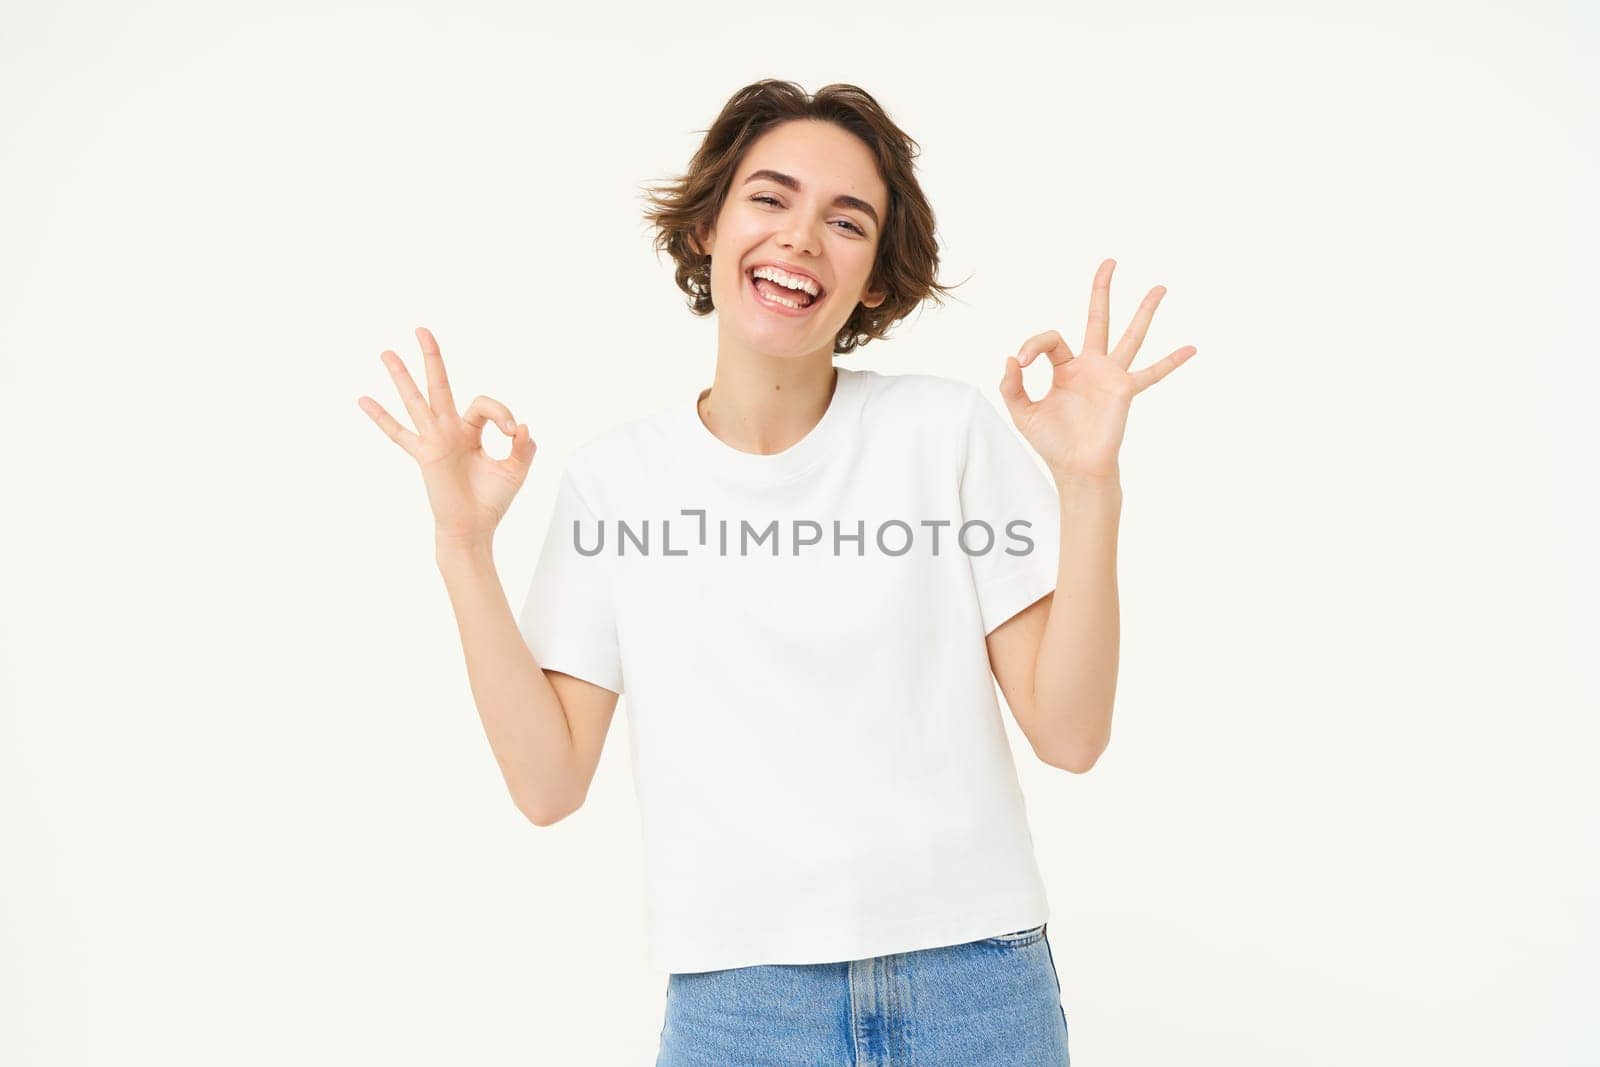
{"x":806,"y":194}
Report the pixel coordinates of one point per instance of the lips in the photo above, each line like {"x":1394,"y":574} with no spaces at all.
{"x":781,"y":309}
{"x":790,"y":268}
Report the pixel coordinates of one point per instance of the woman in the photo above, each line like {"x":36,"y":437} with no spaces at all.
{"x":809,"y":582}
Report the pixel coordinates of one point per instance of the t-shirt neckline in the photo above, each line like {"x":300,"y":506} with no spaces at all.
{"x":753,"y":467}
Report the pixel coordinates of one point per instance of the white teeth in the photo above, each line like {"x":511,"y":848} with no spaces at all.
{"x":780,"y":300}
{"x":788,"y":281}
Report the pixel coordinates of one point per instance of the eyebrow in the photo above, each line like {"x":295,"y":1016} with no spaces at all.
{"x":842,"y":200}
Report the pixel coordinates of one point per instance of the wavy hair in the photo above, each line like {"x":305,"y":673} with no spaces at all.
{"x":907,"y":257}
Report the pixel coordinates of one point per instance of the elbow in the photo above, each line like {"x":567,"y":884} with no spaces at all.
{"x":546,"y":816}
{"x":542,"y":819}
{"x":1075,"y":760}
{"x":544,"y":813}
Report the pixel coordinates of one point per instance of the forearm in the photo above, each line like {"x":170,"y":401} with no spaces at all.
{"x":1075,"y":673}
{"x":521,"y":713}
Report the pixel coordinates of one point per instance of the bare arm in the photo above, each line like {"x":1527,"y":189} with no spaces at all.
{"x":546,"y":728}
{"x":1056,"y":660}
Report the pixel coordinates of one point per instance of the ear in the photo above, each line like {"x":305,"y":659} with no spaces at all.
{"x":873,"y":297}
{"x":700,"y":240}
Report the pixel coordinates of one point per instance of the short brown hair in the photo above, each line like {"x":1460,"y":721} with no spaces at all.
{"x":907,"y":256}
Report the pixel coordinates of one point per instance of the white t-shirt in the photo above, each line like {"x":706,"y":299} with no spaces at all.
{"x":819,"y":757}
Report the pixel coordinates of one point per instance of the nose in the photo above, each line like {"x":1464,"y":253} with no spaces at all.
{"x":800,"y":236}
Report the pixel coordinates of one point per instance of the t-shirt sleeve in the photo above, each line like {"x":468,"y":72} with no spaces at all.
{"x":1004,"y":485}
{"x":568,"y":618}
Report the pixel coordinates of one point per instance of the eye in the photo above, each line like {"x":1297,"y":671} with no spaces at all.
{"x":762,"y":198}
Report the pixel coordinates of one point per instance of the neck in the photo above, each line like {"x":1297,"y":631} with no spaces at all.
{"x":765,"y":406}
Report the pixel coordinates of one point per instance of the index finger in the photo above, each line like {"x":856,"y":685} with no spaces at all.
{"x":439,"y":396}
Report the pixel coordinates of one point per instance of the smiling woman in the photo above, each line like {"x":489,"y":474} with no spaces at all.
{"x":838,"y":860}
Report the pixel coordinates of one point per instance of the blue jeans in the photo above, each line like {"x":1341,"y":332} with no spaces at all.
{"x":995,"y":1002}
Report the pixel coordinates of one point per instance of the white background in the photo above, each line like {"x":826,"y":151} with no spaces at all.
{"x":249,"y":813}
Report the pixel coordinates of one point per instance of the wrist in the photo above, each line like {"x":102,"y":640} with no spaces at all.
{"x":454,"y":548}
{"x":1079,"y":479}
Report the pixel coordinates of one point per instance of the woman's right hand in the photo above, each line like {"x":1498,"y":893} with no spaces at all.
{"x":468,"y":491}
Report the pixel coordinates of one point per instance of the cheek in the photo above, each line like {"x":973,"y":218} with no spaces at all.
{"x":861,"y":276}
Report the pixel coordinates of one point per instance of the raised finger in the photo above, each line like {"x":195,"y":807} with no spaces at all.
{"x":1050,"y":343}
{"x":1128,"y":347}
{"x":1095,"y":337}
{"x":388,"y":424}
{"x":1158,"y":370}
{"x":416,"y":404}
{"x":438,"y":384}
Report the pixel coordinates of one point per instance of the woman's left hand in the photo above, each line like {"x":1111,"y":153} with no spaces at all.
{"x":1077,"y":426}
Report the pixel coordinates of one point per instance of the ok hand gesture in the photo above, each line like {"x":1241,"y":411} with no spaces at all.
{"x":468,"y":491}
{"x":1078,"y":425}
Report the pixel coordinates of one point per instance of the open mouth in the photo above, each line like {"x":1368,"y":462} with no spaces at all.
{"x":780,"y":298}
